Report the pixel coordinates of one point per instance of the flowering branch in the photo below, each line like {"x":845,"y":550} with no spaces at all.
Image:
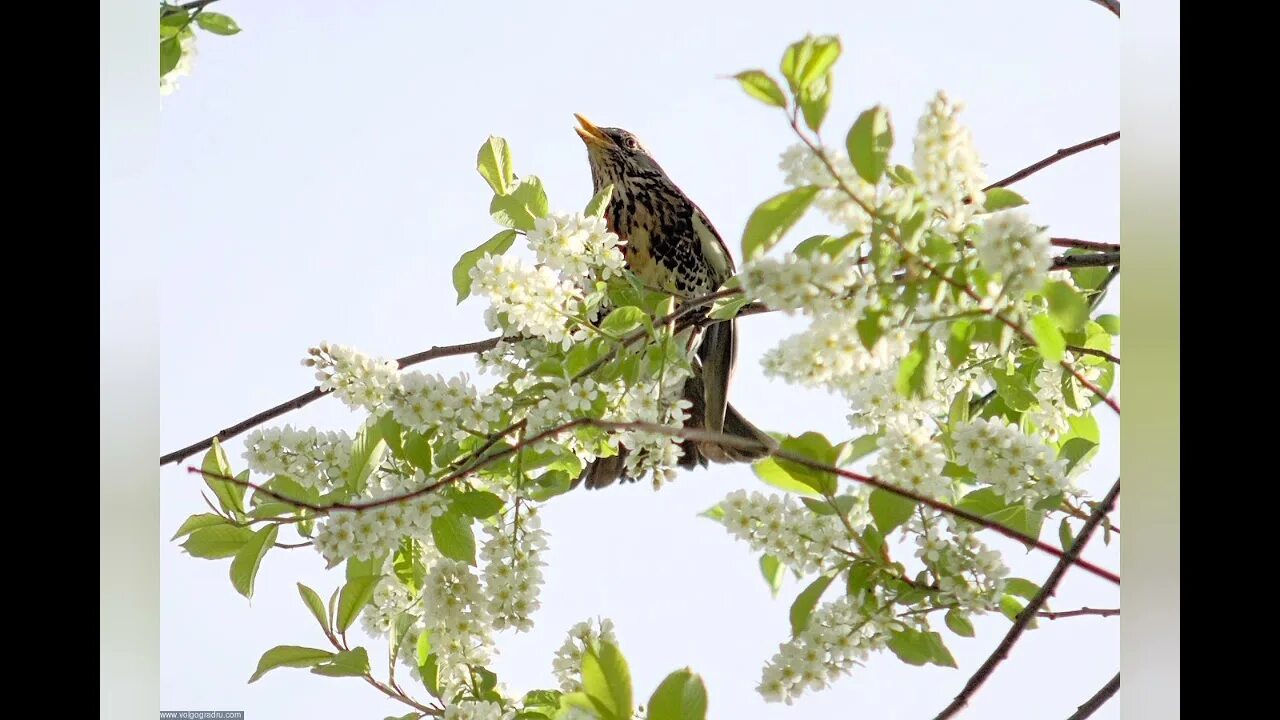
{"x":1100,"y":612}
{"x":1095,"y":352}
{"x":1099,"y":698}
{"x":686,"y":434}
{"x":1033,"y":607}
{"x":1106,"y":259}
{"x":1062,"y":154}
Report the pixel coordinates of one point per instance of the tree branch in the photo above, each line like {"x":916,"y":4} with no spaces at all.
{"x":1099,"y":698}
{"x":1100,"y":612}
{"x":1114,"y":7}
{"x":1024,"y":618}
{"x":1056,"y":157}
{"x":687,"y":434}
{"x":1095,"y":352}
{"x":1084,"y":244}
{"x":1065,"y":262}
{"x":316,"y":393}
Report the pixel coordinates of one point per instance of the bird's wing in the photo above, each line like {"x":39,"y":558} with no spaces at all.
{"x":713,"y":248}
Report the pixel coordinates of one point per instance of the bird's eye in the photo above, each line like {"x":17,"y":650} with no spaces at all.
{"x":630,"y":143}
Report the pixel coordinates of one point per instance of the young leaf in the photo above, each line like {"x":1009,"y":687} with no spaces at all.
{"x":347,"y":663}
{"x":623,"y":320}
{"x":218,"y":541}
{"x":496,"y":245}
{"x":680,"y":696}
{"x":355,"y":595}
{"x":244,"y":568}
{"x":773,"y":218}
{"x":493,"y":162}
{"x":760,"y":86}
{"x":230,"y":495}
{"x":315,"y":605}
{"x":170,"y":54}
{"x":772,"y":569}
{"x":216,"y":23}
{"x":454,"y":537}
{"x":806,"y":601}
{"x":869,"y":142}
{"x":289,"y":656}
{"x":197,"y":521}
{"x":607,"y":680}
{"x":478,"y":503}
{"x":1002,"y":199}
{"x":366,"y":453}
{"x":1048,"y":338}
{"x":600,"y":202}
{"x":958,"y":623}
{"x":1066,"y":305}
{"x":526,"y":202}
{"x":772,"y":473}
{"x":917,"y":648}
{"x":889,"y":510}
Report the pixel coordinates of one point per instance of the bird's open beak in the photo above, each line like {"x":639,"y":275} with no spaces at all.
{"x":590,"y":134}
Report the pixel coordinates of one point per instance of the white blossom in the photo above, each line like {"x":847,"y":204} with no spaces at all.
{"x":1016,"y":251}
{"x":567,"y":665}
{"x":799,"y":538}
{"x":580,"y":247}
{"x":512,"y":557}
{"x":946,"y":163}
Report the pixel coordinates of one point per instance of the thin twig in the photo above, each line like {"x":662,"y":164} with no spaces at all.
{"x":1100,"y":612}
{"x":1099,"y":698}
{"x":1054,"y":158}
{"x":1094,"y":351}
{"x":1106,"y":259}
{"x":1084,"y":244}
{"x":1033,"y":606}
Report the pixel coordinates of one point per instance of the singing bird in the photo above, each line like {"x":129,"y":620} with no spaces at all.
{"x":669,"y":244}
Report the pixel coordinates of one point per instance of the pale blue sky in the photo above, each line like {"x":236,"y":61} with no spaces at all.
{"x":318,"y":184}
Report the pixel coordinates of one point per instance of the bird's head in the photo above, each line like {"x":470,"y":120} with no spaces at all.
{"x":615,"y":154}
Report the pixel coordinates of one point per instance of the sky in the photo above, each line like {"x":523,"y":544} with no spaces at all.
{"x":319,"y":185}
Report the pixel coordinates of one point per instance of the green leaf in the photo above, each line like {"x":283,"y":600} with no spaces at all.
{"x":773,"y":218}
{"x":918,"y":648}
{"x":843,"y":504}
{"x":808,"y":60}
{"x":417,"y":451}
{"x":869,"y":142}
{"x":606,"y":679}
{"x":1066,"y":536}
{"x":454,"y":537}
{"x":623,"y":320}
{"x":429,"y":669}
{"x":1048,"y":338}
{"x":959,"y":624}
{"x":959,"y":342}
{"x":230,"y":495}
{"x":549,"y":485}
{"x":680,"y":696}
{"x":244,"y":568}
{"x":772,"y":569}
{"x":496,"y":245}
{"x":916,"y":373}
{"x":218,"y":541}
{"x":525,"y":203}
{"x":347,"y":663}
{"x":815,"y":101}
{"x":1077,"y":450}
{"x":959,"y":412}
{"x":355,"y":595}
{"x":806,"y":601}
{"x":855,"y":450}
{"x":1011,"y":607}
{"x":772,"y":473}
{"x":858,"y":578}
{"x":1110,"y":323}
{"x":289,"y":656}
{"x":197,"y":521}
{"x":890,"y":510}
{"x":478,"y":503}
{"x":371,"y":567}
{"x":1066,"y":305}
{"x":366,"y":454}
{"x":1022,"y":588}
{"x":728,"y":308}
{"x":493,"y":162}
{"x":216,"y":23}
{"x":760,"y":86}
{"x":391,"y":433}
{"x":600,"y":202}
{"x":407,"y":564}
{"x":315,"y":605}
{"x":1002,"y":199}
{"x":870,"y":328}
{"x":170,"y":54}
{"x":813,"y":446}
{"x":1020,"y":518}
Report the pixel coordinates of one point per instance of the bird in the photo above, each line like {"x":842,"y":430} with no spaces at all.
{"x":670,"y":245}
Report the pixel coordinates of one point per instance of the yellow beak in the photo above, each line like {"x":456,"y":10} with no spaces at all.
{"x":590,"y":134}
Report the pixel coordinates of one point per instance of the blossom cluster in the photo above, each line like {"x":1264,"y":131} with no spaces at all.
{"x":776,"y":525}
{"x":1014,"y":250}
{"x":1017,"y":466}
{"x":947,"y":164}
{"x":512,"y":557}
{"x":815,"y":285}
{"x":567,"y":665}
{"x":580,"y":247}
{"x":315,"y":459}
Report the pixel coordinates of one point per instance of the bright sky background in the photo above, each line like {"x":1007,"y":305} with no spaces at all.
{"x":321,"y":185}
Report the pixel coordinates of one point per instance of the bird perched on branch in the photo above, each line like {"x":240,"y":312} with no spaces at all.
{"x":671,"y":246}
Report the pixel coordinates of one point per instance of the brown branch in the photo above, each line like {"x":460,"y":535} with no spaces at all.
{"x":1114,"y":7}
{"x":1106,"y":259}
{"x":687,"y":434}
{"x":1033,"y":607}
{"x":316,"y":393}
{"x":1099,"y":698}
{"x":1084,"y":244}
{"x":1094,"y":351}
{"x":1056,"y":157}
{"x":1100,"y":612}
